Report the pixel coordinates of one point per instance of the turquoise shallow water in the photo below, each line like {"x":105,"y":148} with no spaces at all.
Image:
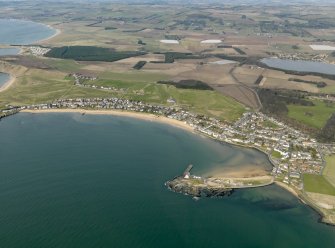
{"x":20,"y":32}
{"x":4,"y":77}
{"x":68,"y":180}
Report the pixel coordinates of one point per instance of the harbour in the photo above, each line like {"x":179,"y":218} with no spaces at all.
{"x":78,"y":171}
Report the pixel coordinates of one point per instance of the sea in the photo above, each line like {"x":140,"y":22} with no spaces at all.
{"x":73,"y":180}
{"x":20,"y":32}
{"x":4,"y":77}
{"x":23,"y":32}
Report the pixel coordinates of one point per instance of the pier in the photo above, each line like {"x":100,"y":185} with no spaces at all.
{"x":187,"y":172}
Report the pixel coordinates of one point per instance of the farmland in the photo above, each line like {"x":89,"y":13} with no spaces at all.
{"x":121,"y":46}
{"x":329,"y":171}
{"x":314,"y":116}
{"x":325,"y":183}
{"x":38,"y":86}
{"x":318,"y":184}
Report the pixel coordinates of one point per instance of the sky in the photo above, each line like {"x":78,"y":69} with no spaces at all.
{"x":235,"y":2}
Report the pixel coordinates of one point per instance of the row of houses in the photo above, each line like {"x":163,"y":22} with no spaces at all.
{"x":298,"y":153}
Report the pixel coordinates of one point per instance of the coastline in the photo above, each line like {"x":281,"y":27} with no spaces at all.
{"x":136,"y":115}
{"x":289,"y":189}
{"x":186,"y":127}
{"x":8,"y":83}
{"x":58,"y":32}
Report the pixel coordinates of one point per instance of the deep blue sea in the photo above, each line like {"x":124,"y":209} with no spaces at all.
{"x":21,"y":32}
{"x":77,"y":181}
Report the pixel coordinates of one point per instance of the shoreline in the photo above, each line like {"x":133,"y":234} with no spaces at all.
{"x":58,"y":32}
{"x":289,"y":189}
{"x":186,"y":127}
{"x":135,"y":115}
{"x":8,"y":83}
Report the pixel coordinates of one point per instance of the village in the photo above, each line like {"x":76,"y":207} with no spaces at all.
{"x":291,"y":152}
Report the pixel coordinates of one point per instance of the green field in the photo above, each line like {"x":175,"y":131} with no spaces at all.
{"x":329,"y":171}
{"x":132,"y":76}
{"x":314,"y":116}
{"x":328,"y":89}
{"x":318,"y":184}
{"x":276,"y":154}
{"x":44,"y":86}
{"x":63,"y":65}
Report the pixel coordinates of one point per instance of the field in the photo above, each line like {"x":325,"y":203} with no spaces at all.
{"x":120,"y":45}
{"x":281,"y":80}
{"x":40,"y":86}
{"x":206,"y":102}
{"x":314,"y":116}
{"x":329,"y":170}
{"x":318,"y":184}
{"x":240,"y":93}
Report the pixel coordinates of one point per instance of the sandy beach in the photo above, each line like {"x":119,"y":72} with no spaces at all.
{"x":142,"y":116}
{"x":8,"y":83}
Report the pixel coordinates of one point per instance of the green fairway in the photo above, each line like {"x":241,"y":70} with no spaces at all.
{"x":318,"y":184}
{"x":44,"y":86}
{"x":132,"y":76}
{"x":314,"y":116}
{"x":210,"y":103}
{"x":329,"y":171}
{"x":63,"y":65}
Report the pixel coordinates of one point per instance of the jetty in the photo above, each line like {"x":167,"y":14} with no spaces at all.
{"x":213,"y":186}
{"x":187,"y":172}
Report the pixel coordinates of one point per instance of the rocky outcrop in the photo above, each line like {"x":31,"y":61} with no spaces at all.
{"x":196,"y":188}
